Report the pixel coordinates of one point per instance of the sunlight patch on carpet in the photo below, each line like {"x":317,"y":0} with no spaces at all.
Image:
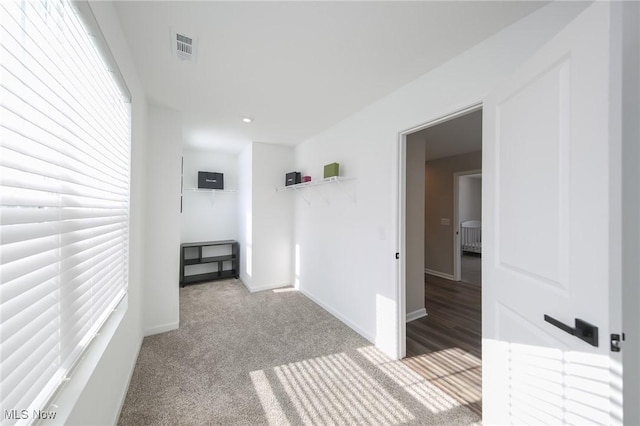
{"x":268,"y":400}
{"x":425,"y":392}
{"x":331,"y":389}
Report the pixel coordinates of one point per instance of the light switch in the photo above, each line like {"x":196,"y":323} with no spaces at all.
{"x":445,"y":221}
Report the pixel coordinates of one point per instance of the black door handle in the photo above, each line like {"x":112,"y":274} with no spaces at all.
{"x":582,"y":330}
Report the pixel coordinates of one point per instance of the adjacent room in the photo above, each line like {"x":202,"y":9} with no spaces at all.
{"x":443,"y":221}
{"x":314,"y":212}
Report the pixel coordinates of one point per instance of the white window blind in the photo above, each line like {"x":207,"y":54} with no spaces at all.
{"x":64,"y":198}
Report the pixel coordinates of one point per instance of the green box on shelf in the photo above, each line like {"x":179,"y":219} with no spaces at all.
{"x":331,"y":170}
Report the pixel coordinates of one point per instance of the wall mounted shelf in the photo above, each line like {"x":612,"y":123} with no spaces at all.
{"x":210,"y":190}
{"x":315,"y":183}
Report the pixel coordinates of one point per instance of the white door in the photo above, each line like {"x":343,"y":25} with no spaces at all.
{"x":549,"y":235}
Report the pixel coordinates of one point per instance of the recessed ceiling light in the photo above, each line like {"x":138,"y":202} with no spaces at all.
{"x":247,"y":119}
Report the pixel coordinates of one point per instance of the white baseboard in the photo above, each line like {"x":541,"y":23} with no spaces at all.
{"x":336,"y":314}
{"x":244,"y":282}
{"x":412,"y":316}
{"x":439,"y":274}
{"x":266,"y":287}
{"x":161,"y":328}
{"x":131,"y":368}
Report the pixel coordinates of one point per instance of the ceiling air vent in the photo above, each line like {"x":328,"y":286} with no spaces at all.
{"x":184,"y":46}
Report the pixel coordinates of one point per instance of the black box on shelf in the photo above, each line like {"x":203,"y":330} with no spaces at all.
{"x":210,"y":180}
{"x":292,"y":178}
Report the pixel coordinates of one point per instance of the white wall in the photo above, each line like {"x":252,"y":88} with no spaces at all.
{"x":470,"y":199}
{"x":163,"y":221}
{"x":266,"y":223}
{"x":272,"y":217}
{"x":96,"y":398}
{"x":439,"y":193}
{"x":209,"y":216}
{"x":414,"y":251}
{"x":347,"y":252}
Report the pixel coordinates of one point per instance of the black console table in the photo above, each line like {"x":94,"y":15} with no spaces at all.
{"x":192,"y":254}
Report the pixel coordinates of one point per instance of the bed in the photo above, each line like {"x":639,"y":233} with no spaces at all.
{"x":471,"y":236}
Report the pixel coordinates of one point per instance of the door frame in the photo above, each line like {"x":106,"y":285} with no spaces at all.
{"x":401,"y":215}
{"x":457,"y":254}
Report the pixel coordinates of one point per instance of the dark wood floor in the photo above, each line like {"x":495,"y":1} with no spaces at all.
{"x":471,"y":268}
{"x":445,"y":347}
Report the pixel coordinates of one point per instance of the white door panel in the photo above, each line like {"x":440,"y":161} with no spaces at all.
{"x":524,"y":149}
{"x":546,"y":174}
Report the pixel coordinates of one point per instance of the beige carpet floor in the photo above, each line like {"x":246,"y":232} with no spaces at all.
{"x":274,"y":358}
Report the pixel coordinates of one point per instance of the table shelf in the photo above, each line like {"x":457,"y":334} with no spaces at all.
{"x":232,"y":258}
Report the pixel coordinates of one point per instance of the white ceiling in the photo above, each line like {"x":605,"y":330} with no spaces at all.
{"x":295,"y":67}
{"x":458,"y":136}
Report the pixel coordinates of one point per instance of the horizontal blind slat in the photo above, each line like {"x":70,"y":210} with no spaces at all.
{"x":26,"y":113}
{"x":11,"y":216}
{"x":12,"y":360}
{"x":21,"y":171}
{"x":37,"y":269}
{"x":17,"y":329}
{"x":10,"y":234}
{"x":30,"y":139}
{"x":79,"y":254}
{"x":27,"y":249}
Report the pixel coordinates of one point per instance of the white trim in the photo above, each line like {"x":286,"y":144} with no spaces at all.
{"x":443,"y":118}
{"x":630,"y":209}
{"x":88,"y":19}
{"x":412,"y":316}
{"x":265,"y":287}
{"x":401,"y":246}
{"x":123,"y":391}
{"x":335,"y":313}
{"x":438,"y":274}
{"x":457,"y":252}
{"x":161,"y":328}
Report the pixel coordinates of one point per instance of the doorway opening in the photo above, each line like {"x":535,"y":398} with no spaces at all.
{"x":441,"y":272}
{"x":467,"y":218}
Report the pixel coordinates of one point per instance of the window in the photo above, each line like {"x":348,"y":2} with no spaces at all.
{"x":64,"y":198}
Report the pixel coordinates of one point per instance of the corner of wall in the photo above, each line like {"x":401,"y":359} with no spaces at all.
{"x":265,"y":222}
{"x":245,"y":222}
{"x":162,"y":250}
